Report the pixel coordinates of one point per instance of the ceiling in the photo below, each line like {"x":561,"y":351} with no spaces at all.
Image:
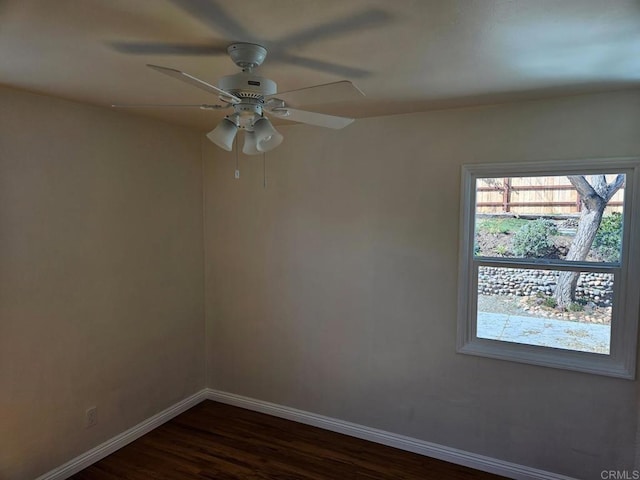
{"x":406,"y":55}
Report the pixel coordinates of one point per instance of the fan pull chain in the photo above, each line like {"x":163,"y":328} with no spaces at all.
{"x":264,"y":170}
{"x":237,"y":172}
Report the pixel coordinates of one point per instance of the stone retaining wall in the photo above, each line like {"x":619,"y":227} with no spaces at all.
{"x":592,"y":287}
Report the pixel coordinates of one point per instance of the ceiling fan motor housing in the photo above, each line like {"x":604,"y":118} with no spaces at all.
{"x":247,"y":55}
{"x":248,"y":83}
{"x":251,"y":90}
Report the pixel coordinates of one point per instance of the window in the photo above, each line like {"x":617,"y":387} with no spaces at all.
{"x":549,"y":270}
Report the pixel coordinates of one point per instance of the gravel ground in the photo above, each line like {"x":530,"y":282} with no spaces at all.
{"x":501,"y":304}
{"x":514,"y":306}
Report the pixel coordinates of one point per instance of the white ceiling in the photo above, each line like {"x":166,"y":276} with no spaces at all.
{"x":419,"y":54}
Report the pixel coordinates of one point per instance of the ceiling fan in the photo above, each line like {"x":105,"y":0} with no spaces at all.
{"x":252,"y":97}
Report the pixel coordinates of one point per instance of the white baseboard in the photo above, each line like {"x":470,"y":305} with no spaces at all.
{"x":441,"y":452}
{"x":107,"y":448}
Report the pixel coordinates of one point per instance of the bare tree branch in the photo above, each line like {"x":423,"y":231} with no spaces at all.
{"x":599,"y":184}
{"x":614,"y":186}
{"x":583,"y":187}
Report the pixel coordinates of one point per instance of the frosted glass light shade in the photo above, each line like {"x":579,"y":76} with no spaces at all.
{"x":250,"y":146}
{"x":224,"y":134}
{"x":267,"y":137}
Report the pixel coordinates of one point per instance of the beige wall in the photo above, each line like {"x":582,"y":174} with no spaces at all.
{"x":100,"y":275}
{"x":334,"y":289}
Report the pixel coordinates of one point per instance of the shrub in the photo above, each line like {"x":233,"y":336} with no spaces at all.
{"x":550,"y":302}
{"x":575,"y":307}
{"x":533,"y":239}
{"x":608,"y":240}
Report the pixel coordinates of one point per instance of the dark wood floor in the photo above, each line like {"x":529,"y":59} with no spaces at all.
{"x":221,"y":442}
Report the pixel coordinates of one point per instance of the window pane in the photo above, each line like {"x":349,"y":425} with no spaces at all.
{"x":542,"y":217}
{"x":517,"y":305}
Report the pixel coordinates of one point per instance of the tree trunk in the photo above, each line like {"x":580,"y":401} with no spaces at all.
{"x":587,"y":228}
{"x":594,"y":197}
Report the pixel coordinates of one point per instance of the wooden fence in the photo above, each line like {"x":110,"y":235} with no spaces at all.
{"x":534,"y":195}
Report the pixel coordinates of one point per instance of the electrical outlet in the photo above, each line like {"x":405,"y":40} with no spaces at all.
{"x":237,"y":174}
{"x":91,"y":417}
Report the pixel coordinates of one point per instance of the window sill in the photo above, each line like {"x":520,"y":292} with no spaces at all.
{"x":549,"y":357}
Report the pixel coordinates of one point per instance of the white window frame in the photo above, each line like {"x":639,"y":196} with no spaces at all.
{"x":621,"y":362}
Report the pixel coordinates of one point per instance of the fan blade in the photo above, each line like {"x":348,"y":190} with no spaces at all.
{"x":203,"y":106}
{"x":359,"y":21}
{"x":207,"y":87}
{"x":158,"y":48}
{"x":311,"y":118}
{"x":342,"y":91}
{"x":210,"y":12}
{"x":319,"y":65}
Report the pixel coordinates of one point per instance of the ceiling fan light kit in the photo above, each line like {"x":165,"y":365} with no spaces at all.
{"x":267,"y":137}
{"x":252,"y":97}
{"x":250,"y":146}
{"x":224,"y":134}
{"x":260,"y":136}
